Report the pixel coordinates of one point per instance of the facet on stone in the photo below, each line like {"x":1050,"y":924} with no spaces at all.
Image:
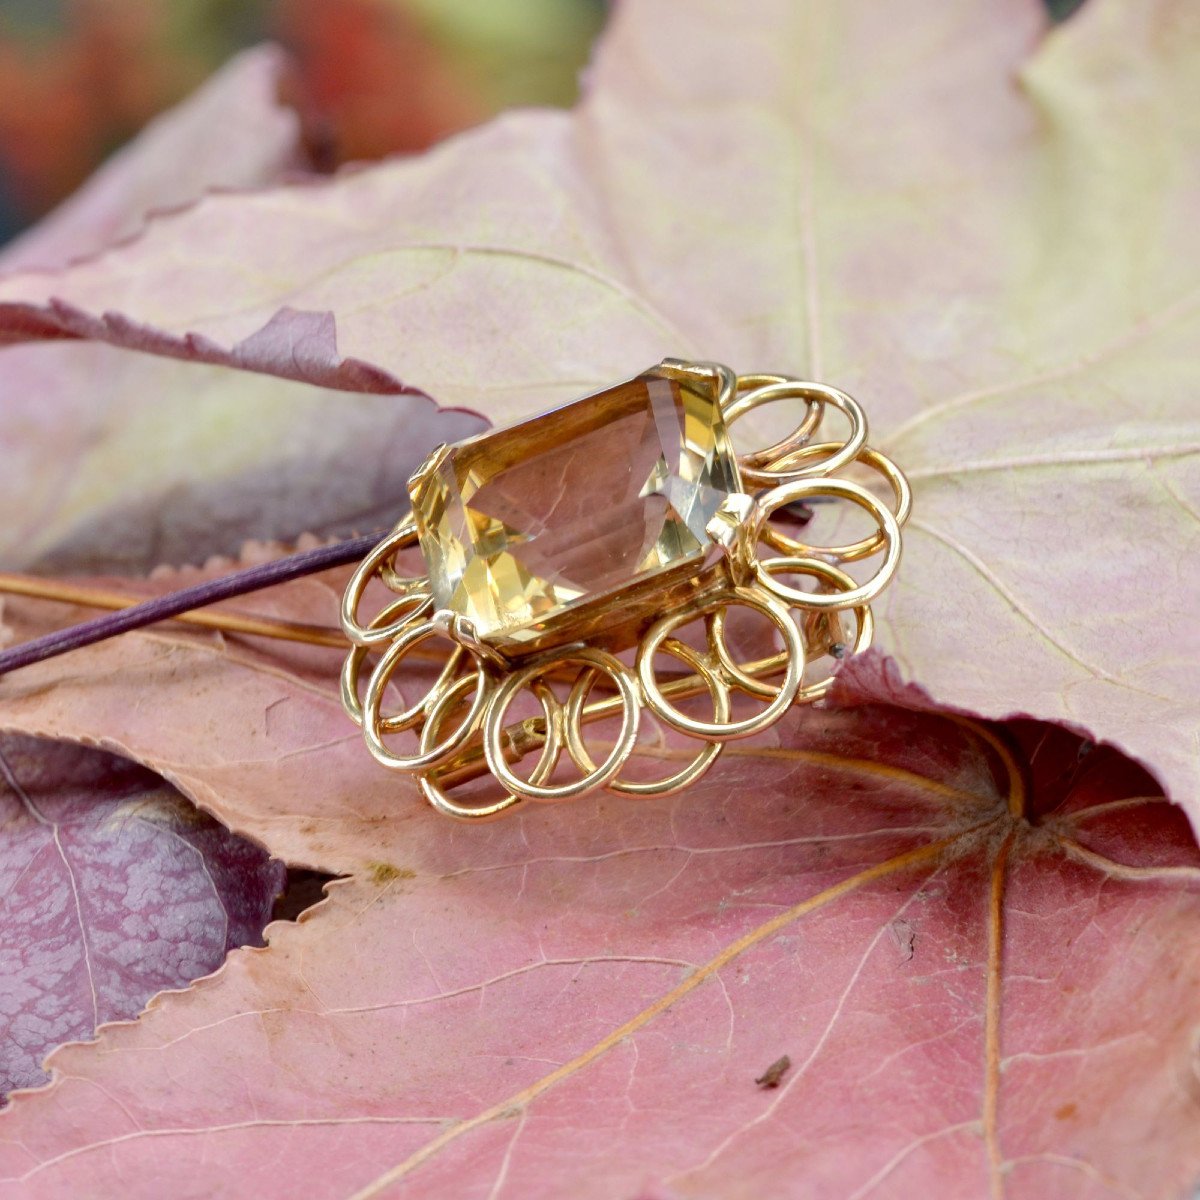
{"x":548,"y":515}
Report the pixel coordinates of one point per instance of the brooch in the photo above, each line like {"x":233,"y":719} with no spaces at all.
{"x":568,"y":555}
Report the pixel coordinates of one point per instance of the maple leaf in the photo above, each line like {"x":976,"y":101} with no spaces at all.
{"x":957,"y":934}
{"x":969,"y":940}
{"x":115,"y":888}
{"x":993,"y":245}
{"x":126,"y":461}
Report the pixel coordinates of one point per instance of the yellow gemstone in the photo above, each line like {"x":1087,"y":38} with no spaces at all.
{"x":570,"y":507}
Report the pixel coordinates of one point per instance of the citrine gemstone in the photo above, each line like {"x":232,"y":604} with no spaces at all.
{"x":570,"y":507}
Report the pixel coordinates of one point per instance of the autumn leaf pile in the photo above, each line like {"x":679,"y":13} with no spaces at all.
{"x":962,"y":898}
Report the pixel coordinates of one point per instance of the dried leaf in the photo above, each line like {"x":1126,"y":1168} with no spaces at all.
{"x":504,"y":1008}
{"x":115,"y":888}
{"x":115,"y":461}
{"x":121,"y":462}
{"x":252,"y":730}
{"x":971,"y":942}
{"x":993,"y":244}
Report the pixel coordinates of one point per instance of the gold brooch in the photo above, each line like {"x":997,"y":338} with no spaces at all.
{"x":567,"y":555}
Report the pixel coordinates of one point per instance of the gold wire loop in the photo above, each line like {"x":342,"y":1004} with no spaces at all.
{"x":864,"y":621}
{"x":708,"y":754}
{"x":864,"y":593}
{"x":719,"y":649}
{"x":757,"y":600}
{"x":548,"y":757}
{"x":864,"y":547}
{"x":402,"y":585}
{"x":352,"y":665}
{"x":374,"y":633}
{"x":459,"y":723}
{"x":413,"y":715}
{"x":375,"y":724}
{"x":493,"y":725}
{"x":752,"y":392}
{"x":813,"y":393}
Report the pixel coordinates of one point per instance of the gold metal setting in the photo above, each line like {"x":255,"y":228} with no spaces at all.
{"x":684,"y":545}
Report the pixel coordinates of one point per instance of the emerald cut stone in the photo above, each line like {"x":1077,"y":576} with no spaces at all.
{"x":524,"y":523}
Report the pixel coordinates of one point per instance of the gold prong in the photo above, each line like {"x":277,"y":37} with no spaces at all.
{"x":421,"y":476}
{"x":732,"y":528}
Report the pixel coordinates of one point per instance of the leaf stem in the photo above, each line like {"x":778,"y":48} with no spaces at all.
{"x":175,"y":605}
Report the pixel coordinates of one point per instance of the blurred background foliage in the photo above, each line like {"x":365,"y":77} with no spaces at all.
{"x":375,"y":77}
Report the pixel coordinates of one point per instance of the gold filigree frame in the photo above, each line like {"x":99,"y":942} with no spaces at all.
{"x":460,"y":723}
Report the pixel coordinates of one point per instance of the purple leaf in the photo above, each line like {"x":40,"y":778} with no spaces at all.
{"x":297,"y":344}
{"x":115,"y":888}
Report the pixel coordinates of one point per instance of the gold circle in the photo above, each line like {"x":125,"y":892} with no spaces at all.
{"x":374,"y":726}
{"x":863,"y":634}
{"x":658,"y":704}
{"x":402,"y":585}
{"x":864,"y":547}
{"x":819,"y":393}
{"x":348,"y":683}
{"x":376,"y":632}
{"x":351,"y":675}
{"x":750,"y":684}
{"x":493,"y":726}
{"x":750,"y":395}
{"x":788,"y":493}
{"x":436,"y":795}
{"x":717,"y":689}
{"x":351,"y":672}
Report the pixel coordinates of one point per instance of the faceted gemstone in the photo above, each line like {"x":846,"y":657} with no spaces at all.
{"x":519,"y":525}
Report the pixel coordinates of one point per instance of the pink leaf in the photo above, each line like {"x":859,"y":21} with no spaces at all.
{"x":993,"y":245}
{"x":300,"y":345}
{"x":579,"y":1001}
{"x":116,"y":461}
{"x":120,"y":461}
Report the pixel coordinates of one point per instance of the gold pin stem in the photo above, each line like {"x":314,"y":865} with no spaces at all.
{"x":227,"y":621}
